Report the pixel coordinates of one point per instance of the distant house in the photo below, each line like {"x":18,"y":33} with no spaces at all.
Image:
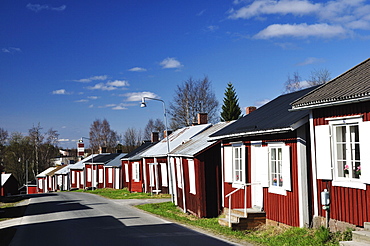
{"x":266,"y":164}
{"x":198,"y":174}
{"x":112,"y":171}
{"x":47,"y":181}
{"x":77,"y":174}
{"x":156,"y":172}
{"x":9,"y":185}
{"x":132,"y":167}
{"x":94,"y":169}
{"x":340,"y":133}
{"x":62,"y":178}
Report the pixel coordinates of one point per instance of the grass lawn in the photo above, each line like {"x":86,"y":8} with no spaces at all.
{"x":265,"y":235}
{"x":124,"y":194}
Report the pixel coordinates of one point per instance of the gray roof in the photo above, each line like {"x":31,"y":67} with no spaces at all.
{"x":136,"y":153}
{"x":81,"y":164}
{"x":45,"y":172}
{"x":272,"y":117}
{"x":175,"y":139}
{"x":349,"y":87}
{"x":116,"y":162}
{"x":198,"y":142}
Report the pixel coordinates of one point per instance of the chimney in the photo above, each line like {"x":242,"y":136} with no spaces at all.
{"x":165,"y":133}
{"x":202,"y":118}
{"x":102,"y":150}
{"x":250,"y":109}
{"x":155,"y":137}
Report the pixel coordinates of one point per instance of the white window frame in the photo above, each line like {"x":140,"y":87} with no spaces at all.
{"x":101,"y":176}
{"x":127,"y":176}
{"x":284,"y":176}
{"x":151,"y":174}
{"x":178,"y":172}
{"x":110,"y":175}
{"x":136,"y":171}
{"x":88,"y":170}
{"x":339,"y":177}
{"x":238,"y":165}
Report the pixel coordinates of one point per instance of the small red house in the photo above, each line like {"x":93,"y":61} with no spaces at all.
{"x":112,"y":171}
{"x":9,"y":185}
{"x":198,"y":174}
{"x":132,"y":172}
{"x":266,"y":164}
{"x":340,"y":133}
{"x":156,"y":172}
{"x":77,"y":175}
{"x":44,"y":181}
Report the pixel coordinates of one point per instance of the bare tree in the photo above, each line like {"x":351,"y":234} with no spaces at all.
{"x":131,"y":139}
{"x":296,"y":83}
{"x":101,"y":135}
{"x":193,"y":97}
{"x":319,"y":77}
{"x":153,"y":126}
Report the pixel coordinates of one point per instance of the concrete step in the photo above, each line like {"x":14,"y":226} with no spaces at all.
{"x":361,"y":236}
{"x":353,"y":243}
{"x":367,"y":226}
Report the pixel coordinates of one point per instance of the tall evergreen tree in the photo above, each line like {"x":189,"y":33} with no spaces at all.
{"x":230,"y":108}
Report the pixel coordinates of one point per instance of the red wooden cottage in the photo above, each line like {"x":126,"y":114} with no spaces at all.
{"x":157,"y":175}
{"x":94,"y":169}
{"x":198,"y":174}
{"x":132,"y":167}
{"x":77,"y":174}
{"x":340,"y":133}
{"x":266,"y":166}
{"x":112,"y":171}
{"x":9,"y":184}
{"x":44,"y":181}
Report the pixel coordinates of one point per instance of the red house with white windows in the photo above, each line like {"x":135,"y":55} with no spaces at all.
{"x":266,"y":174}
{"x":77,"y":174}
{"x":340,"y":133}
{"x":132,"y":167}
{"x":112,"y":171}
{"x":198,"y":174}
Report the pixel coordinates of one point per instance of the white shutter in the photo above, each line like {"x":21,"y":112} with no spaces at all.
{"x":126,"y":173}
{"x":191,"y":170}
{"x":110,"y":175}
{"x":364,"y":132}
{"x":323,"y":152}
{"x":286,"y":167}
{"x":228,"y":164}
{"x":164,"y":174}
{"x":262,"y":156}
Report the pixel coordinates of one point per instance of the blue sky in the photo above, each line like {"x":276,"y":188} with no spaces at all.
{"x":64,"y":64}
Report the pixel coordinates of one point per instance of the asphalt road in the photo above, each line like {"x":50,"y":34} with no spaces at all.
{"x":73,"y":218}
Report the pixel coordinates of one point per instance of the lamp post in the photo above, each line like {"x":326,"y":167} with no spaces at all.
{"x":143,"y":105}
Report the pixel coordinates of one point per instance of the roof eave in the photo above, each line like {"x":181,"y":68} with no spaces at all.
{"x":329,"y":104}
{"x":255,"y":133}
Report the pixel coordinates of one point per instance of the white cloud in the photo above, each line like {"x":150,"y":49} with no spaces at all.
{"x":82,"y":100}
{"x":262,"y":102}
{"x":93,"y":97}
{"x":301,"y":31}
{"x":170,"y":62}
{"x":10,"y":50}
{"x":37,"y":7}
{"x":137,"y":69}
{"x":93,"y":78}
{"x":212,"y":28}
{"x":63,"y":140}
{"x":109,"y":86}
{"x":261,"y":7}
{"x":310,"y":60}
{"x":61,"y":92}
{"x":137,"y":96}
{"x":119,"y":107}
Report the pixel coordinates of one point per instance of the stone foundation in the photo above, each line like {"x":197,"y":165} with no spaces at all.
{"x":334,"y":225}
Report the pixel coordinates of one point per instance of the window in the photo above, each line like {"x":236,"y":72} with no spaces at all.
{"x":179,"y":172}
{"x":151,"y":174}
{"x":276,"y":166}
{"x":347,"y":150}
{"x":110,"y":175}
{"x":191,"y":168}
{"x":88,"y":174}
{"x":136,"y":171}
{"x":101,"y":180}
{"x":238,"y":163}
{"x":127,"y":178}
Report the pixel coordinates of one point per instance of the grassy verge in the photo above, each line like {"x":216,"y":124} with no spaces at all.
{"x":124,"y":194}
{"x":265,"y":235}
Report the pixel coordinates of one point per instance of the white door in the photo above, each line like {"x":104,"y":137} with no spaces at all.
{"x":257,"y":190}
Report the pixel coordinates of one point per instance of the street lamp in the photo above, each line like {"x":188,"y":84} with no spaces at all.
{"x":143,"y":105}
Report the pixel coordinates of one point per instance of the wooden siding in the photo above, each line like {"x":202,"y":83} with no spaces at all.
{"x":339,"y":111}
{"x":164,"y":189}
{"x":346,"y":204}
{"x":279,"y":208}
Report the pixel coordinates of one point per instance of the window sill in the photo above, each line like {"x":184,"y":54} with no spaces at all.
{"x":237,"y":185}
{"x":277,"y":190}
{"x":350,"y":183}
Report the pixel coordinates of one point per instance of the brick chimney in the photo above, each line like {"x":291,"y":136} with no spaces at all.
{"x":250,"y":109}
{"x":155,"y":137}
{"x":165,"y":133}
{"x":202,"y":118}
{"x":102,"y":150}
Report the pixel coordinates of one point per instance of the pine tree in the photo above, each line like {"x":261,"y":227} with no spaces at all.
{"x":230,"y":108}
